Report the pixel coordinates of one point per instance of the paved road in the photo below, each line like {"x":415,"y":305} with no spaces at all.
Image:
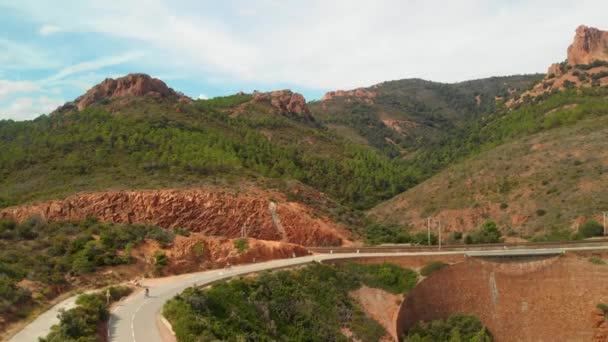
{"x":135,"y":318}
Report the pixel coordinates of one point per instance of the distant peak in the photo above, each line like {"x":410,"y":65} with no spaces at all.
{"x":285,"y":101}
{"x":129,"y":86}
{"x":361,"y":93}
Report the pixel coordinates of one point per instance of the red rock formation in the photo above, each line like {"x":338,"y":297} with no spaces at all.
{"x":285,"y":101}
{"x":360,"y":93}
{"x":198,"y":252}
{"x":132,"y":85}
{"x":215,"y":213}
{"x":590,"y":44}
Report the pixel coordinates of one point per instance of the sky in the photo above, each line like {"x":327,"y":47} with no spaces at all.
{"x":53,"y":51}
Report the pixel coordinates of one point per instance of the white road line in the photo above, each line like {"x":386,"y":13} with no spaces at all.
{"x":133,"y":319}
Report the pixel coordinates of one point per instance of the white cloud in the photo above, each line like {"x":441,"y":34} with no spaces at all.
{"x":26,"y":108}
{"x":203,"y":97}
{"x":8,"y":87}
{"x":47,"y":30}
{"x":95,"y":65}
{"x":336,"y":44}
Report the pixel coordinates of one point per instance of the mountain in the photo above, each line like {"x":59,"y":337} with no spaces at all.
{"x":400,"y":117}
{"x":535,"y":166}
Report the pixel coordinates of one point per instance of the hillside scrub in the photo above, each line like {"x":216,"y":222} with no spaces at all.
{"x":53,"y":254}
{"x":81,"y":323}
{"x":306,"y":304}
{"x":79,"y":150}
{"x":455,"y":328}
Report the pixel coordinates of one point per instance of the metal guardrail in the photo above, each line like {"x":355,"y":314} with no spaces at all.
{"x":480,"y":247}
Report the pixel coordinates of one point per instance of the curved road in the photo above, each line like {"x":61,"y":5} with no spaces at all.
{"x":137,"y":317}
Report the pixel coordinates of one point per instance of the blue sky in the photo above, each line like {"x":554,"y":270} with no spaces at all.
{"x":53,"y":51}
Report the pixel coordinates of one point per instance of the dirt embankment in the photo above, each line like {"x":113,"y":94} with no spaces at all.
{"x":544,"y":299}
{"x":213,"y":212}
{"x":380,"y":305}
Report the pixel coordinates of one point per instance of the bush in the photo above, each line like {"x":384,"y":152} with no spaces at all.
{"x":603,"y":307}
{"x":540,"y":212}
{"x":181,"y":231}
{"x":591,"y":228}
{"x":487,"y":233}
{"x":81,"y":323}
{"x":455,"y":328}
{"x":432,"y":267}
{"x":389,"y":277}
{"x":597,"y":260}
{"x":241,"y":245}
{"x":160,"y":259}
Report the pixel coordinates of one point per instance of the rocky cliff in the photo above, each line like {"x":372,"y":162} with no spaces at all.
{"x":590,"y":44}
{"x":586,"y":66}
{"x":213,"y":212}
{"x":132,"y":85}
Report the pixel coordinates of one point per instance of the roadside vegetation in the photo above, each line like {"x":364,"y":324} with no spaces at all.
{"x":55,"y":257}
{"x":457,"y":328}
{"x":432,"y":267}
{"x":305,"y":304}
{"x":487,"y":233}
{"x":82,"y":323}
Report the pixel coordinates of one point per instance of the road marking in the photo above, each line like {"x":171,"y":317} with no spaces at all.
{"x":133,"y":320}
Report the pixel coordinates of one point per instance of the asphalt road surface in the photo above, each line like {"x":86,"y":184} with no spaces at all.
{"x":136,"y":318}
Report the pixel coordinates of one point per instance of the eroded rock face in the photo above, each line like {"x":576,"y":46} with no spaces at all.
{"x":285,"y":101}
{"x":132,"y":85}
{"x":360,"y":93}
{"x":216,"y":213}
{"x":590,"y":44}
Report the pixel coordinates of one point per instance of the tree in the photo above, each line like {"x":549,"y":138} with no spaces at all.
{"x":591,"y":228}
{"x":487,"y":233}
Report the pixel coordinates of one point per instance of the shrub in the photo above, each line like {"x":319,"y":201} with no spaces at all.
{"x":181,"y":231}
{"x":455,"y":328}
{"x":591,"y":228}
{"x":603,"y":307}
{"x":504,"y":206}
{"x":597,"y":260}
{"x":457,"y":235}
{"x":241,"y":245}
{"x":540,"y":212}
{"x":160,"y":259}
{"x":487,"y":233}
{"x":432,"y":267}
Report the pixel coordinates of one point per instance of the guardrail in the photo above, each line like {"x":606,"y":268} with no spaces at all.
{"x":434,"y":248}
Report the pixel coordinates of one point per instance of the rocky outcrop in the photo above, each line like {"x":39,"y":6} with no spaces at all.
{"x":364,"y":94}
{"x":590,"y":44}
{"x":132,"y":85}
{"x":213,"y":212}
{"x":285,"y":101}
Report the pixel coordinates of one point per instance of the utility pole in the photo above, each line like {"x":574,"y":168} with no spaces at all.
{"x":439,"y":234}
{"x":604,"y":214}
{"x":428,"y":230}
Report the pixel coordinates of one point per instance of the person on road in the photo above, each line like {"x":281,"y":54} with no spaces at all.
{"x":147,"y":292}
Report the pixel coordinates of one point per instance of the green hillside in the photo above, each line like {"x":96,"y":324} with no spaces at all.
{"x":150,"y":144}
{"x":537,"y":170}
{"x":407,"y":114}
